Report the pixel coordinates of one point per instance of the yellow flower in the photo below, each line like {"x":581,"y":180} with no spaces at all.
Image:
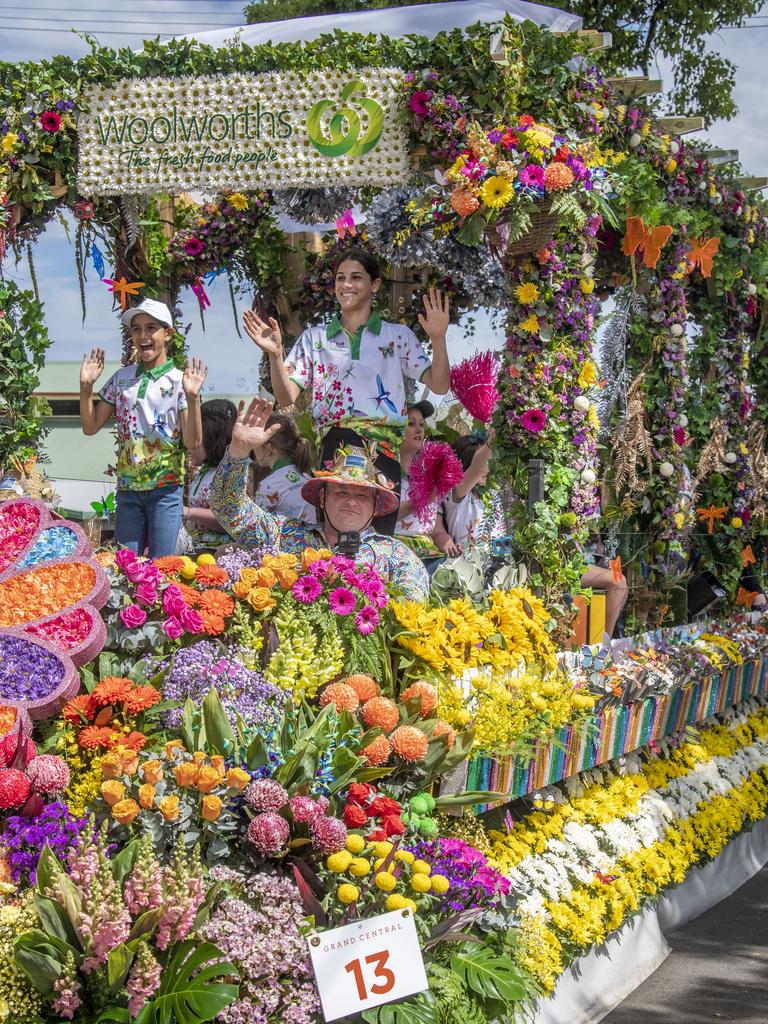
{"x":496,"y":192}
{"x":396,"y":902}
{"x":382,"y":848}
{"x":241,"y":589}
{"x":339,"y":862}
{"x":286,"y":578}
{"x":247,"y":575}
{"x":385,"y":881}
{"x":531,"y":325}
{"x":587,"y":285}
{"x":211,"y":808}
{"x":737,"y":522}
{"x":588,"y":375}
{"x":440,"y":884}
{"x":670,"y":166}
{"x":238,"y":200}
{"x":405,"y":856}
{"x":420,"y":867}
{"x":188,"y":570}
{"x":680,"y":520}
{"x":527,"y":293}
{"x":355,"y":843}
{"x":169,"y":807}
{"x":125,"y":811}
{"x":147,"y":796}
{"x":9,"y":142}
{"x":264,"y":578}
{"x":359,"y":867}
{"x":260,"y":599}
{"x":237,"y":779}
{"x":113,"y":791}
{"x":348,"y":893}
{"x":206,"y":559}
{"x":421,"y":883}
{"x":186,"y":773}
{"x":207,"y":778}
{"x":152,"y":771}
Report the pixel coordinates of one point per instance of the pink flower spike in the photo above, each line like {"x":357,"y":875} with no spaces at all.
{"x":473,"y":382}
{"x":435,"y":471}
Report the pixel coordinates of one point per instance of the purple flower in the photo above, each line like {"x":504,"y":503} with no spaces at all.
{"x":342,"y":601}
{"x":473,"y":882}
{"x":193,"y":246}
{"x":24,"y":838}
{"x":29,"y":671}
{"x":366,"y":620}
{"x":307,"y":589}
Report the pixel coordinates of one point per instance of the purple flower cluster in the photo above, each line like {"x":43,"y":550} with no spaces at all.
{"x":235,"y":559}
{"x":24,"y":838}
{"x":29,"y":672}
{"x":474,"y":883}
{"x":243,"y":691}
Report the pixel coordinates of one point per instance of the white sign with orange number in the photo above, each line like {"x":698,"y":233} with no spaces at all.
{"x":369,"y":962}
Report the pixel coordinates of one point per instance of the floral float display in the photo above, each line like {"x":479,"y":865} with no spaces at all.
{"x":51,"y":588}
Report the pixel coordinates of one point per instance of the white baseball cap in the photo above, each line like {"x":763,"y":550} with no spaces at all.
{"x":157,"y":310}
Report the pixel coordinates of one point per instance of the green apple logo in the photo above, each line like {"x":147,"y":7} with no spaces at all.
{"x":351,"y":143}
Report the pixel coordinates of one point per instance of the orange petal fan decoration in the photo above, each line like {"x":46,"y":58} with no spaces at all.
{"x":748,"y":556}
{"x":123,"y":289}
{"x":709,"y":515}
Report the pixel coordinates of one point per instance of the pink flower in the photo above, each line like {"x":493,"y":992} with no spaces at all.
{"x":266,"y":795}
{"x":124,"y":558}
{"x":342,"y":601}
{"x":366,"y":620}
{"x":193,"y":247}
{"x":191,"y":620}
{"x":419,"y":103}
{"x":434,"y":472}
{"x":304,"y":809}
{"x":50,"y":121}
{"x":532,"y":175}
{"x":307,"y":589}
{"x":173,"y":602}
{"x":328,"y":834}
{"x":473,"y":382}
{"x":133,"y":616}
{"x":48,"y":774}
{"x":146,"y":593}
{"x":679,"y":435}
{"x":534,"y":420}
{"x":319,"y":569}
{"x":269,"y":833}
{"x":173,"y":628}
{"x":134,"y":571}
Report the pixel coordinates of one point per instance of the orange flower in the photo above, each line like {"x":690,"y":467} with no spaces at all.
{"x":186,"y":773}
{"x":216,"y":602}
{"x":190,"y":595}
{"x":104,"y":717}
{"x":129,"y":760}
{"x":170,"y":565}
{"x":199,"y":757}
{"x":260,"y":599}
{"x":237,"y":779}
{"x":286,"y":578}
{"x":111,"y":766}
{"x":213,"y":625}
{"x":377,"y":752}
{"x":247,"y":575}
{"x":174,"y":747}
{"x":311,"y":555}
{"x":125,"y":811}
{"x":8,"y":716}
{"x":381,"y":712}
{"x":147,"y":796}
{"x":557,"y":177}
{"x":241,"y":590}
{"x":211,"y":576}
{"x":43,"y":591}
{"x":217,"y":763}
{"x":153,"y":771}
{"x":113,"y":791}
{"x":409,"y":743}
{"x":169,"y":807}
{"x":211,"y":808}
{"x":134,"y":741}
{"x":79,"y":709}
{"x":463,"y":202}
{"x":95,"y":736}
{"x":364,"y":686}
{"x":111,"y":690}
{"x":342,"y":696}
{"x":444,"y":729}
{"x":141,"y":698}
{"x":428,"y":694}
{"x":264,"y":577}
{"x":207,"y":778}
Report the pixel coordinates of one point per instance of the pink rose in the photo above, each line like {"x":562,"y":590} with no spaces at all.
{"x":173,"y":602}
{"x":146,"y":593}
{"x":134,"y":571}
{"x":173,"y":628}
{"x":191,"y":620}
{"x":133,"y":616}
{"x":124,"y":558}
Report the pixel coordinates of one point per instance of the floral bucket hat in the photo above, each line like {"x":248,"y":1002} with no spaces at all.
{"x":353,"y":466}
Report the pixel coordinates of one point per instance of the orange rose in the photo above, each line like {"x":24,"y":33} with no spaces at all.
{"x":173,"y":747}
{"x":248,"y":576}
{"x":241,"y":589}
{"x":113,"y":791}
{"x":211,"y":808}
{"x":169,"y":807}
{"x":264,"y":578}
{"x":147,"y":796}
{"x":186,"y":773}
{"x":237,"y":779}
{"x":208,"y":778}
{"x":260,"y":599}
{"x":217,"y":762}
{"x":111,"y":766}
{"x":286,"y":578}
{"x":153,"y":771}
{"x":129,"y":760}
{"x":308,"y":556}
{"x":283,"y":561}
{"x":125,"y":811}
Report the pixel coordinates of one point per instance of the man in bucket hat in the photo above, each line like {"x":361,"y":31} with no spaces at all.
{"x":350,"y":495}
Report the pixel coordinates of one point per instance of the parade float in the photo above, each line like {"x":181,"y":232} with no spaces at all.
{"x":253,"y":786}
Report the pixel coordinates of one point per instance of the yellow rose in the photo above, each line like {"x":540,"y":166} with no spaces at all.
{"x":286,"y":578}
{"x":147,"y":796}
{"x":264,"y":578}
{"x":199,"y":757}
{"x":125,"y":811}
{"x":111,"y":766}
{"x":169,"y":807}
{"x":237,"y":779}
{"x":217,"y":763}
{"x":588,"y":375}
{"x":211,"y":809}
{"x":207,"y":779}
{"x":153,"y":771}
{"x":248,"y":576}
{"x":173,"y":747}
{"x":113,"y":791}
{"x":186,"y":773}
{"x":309,"y":556}
{"x":241,"y":589}
{"x":285,"y":560}
{"x":260,"y":599}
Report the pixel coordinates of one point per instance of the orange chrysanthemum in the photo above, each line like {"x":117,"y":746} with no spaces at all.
{"x":79,"y":708}
{"x":343,"y":696}
{"x":111,"y":690}
{"x":211,"y":576}
{"x":140,"y":699}
{"x":92,"y":736}
{"x":170,"y":565}
{"x":213,"y":624}
{"x":364,"y":686}
{"x":8,"y":717}
{"x":381,"y":712}
{"x":558,"y":177}
{"x":443,"y":729}
{"x":428,"y":694}
{"x":377,"y":752}
{"x":217,"y":602}
{"x":409,"y":743}
{"x":463,"y":202}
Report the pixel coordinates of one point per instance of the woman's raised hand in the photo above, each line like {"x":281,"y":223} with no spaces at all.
{"x":266,"y":334}
{"x":92,"y":366}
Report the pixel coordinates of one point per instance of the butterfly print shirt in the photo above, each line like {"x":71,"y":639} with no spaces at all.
{"x":280,"y":493}
{"x":359,"y":376}
{"x":254,"y":527}
{"x":148,"y":406}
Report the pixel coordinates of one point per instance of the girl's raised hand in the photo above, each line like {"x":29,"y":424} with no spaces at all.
{"x":92,"y":366}
{"x":250,"y":430}
{"x":193,"y":378}
{"x":267,"y":335}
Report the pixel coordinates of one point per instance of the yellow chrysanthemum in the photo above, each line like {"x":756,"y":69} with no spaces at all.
{"x":588,"y":375}
{"x":531,"y":325}
{"x":239,"y":201}
{"x":496,"y":192}
{"x":527,"y":293}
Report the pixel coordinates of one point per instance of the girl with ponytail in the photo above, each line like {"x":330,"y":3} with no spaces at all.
{"x":286,"y":461}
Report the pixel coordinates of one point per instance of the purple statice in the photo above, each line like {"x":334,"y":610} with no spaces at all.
{"x":195,"y":669}
{"x":24,"y":838}
{"x":257,"y":925}
{"x":29,"y":671}
{"x":473,"y":882}
{"x":235,"y":559}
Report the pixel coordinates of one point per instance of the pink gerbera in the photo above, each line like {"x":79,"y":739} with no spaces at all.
{"x":366,"y":620}
{"x":307,"y":589}
{"x":534,"y":420}
{"x":419,"y":103}
{"x":193,"y":247}
{"x":532,"y":175}
{"x":50,"y":121}
{"x":342,"y":601}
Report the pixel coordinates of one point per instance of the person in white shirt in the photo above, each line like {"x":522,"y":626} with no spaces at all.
{"x":355,"y":367}
{"x":463,"y":508}
{"x":285,"y":461}
{"x":201,"y":528}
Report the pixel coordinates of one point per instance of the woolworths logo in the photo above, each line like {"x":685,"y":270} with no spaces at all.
{"x":345,"y":127}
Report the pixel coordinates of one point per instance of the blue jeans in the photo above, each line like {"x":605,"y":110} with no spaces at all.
{"x":149,"y":518}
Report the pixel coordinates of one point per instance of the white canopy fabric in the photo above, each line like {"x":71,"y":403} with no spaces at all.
{"x":423,"y":20}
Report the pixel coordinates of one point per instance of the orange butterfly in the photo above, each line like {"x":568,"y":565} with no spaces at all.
{"x":748,"y":556}
{"x":650,"y":240}
{"x":710,"y":515}
{"x":746,"y":597}
{"x":702,"y":253}
{"x":615,"y":567}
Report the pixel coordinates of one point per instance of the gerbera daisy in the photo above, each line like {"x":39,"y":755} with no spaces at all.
{"x":496,"y":192}
{"x":342,"y":601}
{"x":95,"y":736}
{"x":190,"y":595}
{"x":307,"y":589}
{"x":111,"y":690}
{"x":216,"y":602}
{"x":79,"y":710}
{"x":419,"y":103}
{"x":50,"y":121}
{"x":170,"y":565}
{"x":213,"y":624}
{"x":211,"y":576}
{"x":534,"y":420}
{"x":193,"y":246}
{"x":140,"y":699}
{"x":134,"y":740}
{"x":366,"y":620}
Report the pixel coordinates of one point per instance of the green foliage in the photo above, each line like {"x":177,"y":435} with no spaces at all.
{"x":191,"y":991}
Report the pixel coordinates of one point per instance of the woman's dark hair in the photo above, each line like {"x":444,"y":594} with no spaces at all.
{"x":290,"y":443}
{"x":464,"y":448}
{"x":218,"y":417}
{"x":366,"y":259}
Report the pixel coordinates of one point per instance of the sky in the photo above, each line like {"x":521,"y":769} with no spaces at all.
{"x":40,"y":29}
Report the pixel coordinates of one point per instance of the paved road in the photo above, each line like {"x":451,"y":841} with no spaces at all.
{"x":717,"y":971}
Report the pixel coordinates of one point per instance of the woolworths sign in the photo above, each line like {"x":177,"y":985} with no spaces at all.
{"x":242,"y":131}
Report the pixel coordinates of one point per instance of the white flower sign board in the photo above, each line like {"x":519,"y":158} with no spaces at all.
{"x":242,"y":131}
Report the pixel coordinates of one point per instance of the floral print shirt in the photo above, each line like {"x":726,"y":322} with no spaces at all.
{"x":148,"y":406}
{"x":252,"y":526}
{"x":361,"y":376}
{"x":280,"y":493}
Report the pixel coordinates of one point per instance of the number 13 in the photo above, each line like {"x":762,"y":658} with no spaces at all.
{"x":387,"y":977}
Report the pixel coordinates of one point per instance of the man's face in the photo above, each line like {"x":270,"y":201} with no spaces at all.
{"x":348,"y":507}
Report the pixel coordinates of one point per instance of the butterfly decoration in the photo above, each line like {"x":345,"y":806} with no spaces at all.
{"x":384,"y":396}
{"x":51,"y":588}
{"x":345,"y":225}
{"x":604,"y":879}
{"x":650,"y":240}
{"x":615,"y":566}
{"x":159,"y":426}
{"x":97,"y":257}
{"x":387,"y":351}
{"x":711,"y":515}
{"x":703,"y":252}
{"x":123,"y":289}
{"x":594,"y":664}
{"x":211,"y":276}
{"x":199,"y":292}
{"x":745,"y":598}
{"x":509,"y":822}
{"x":166,"y":392}
{"x":747,"y":556}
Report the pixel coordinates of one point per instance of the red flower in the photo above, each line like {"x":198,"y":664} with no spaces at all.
{"x":383,"y":805}
{"x":562,"y":154}
{"x":354,"y":816}
{"x":525,"y":122}
{"x":509,"y":139}
{"x":50,"y":121}
{"x":377,"y":836}
{"x":393,"y":825}
{"x":14,"y":788}
{"x":360,"y":792}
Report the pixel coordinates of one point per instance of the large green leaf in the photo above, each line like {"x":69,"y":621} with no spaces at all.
{"x":48,"y":869}
{"x":419,"y":1009}
{"x":489,"y":975}
{"x":42,"y":957}
{"x":123,"y":862}
{"x":55,"y":920}
{"x":471,"y":796}
{"x":188,"y":993}
{"x":219,"y":735}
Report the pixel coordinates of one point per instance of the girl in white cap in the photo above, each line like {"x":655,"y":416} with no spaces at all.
{"x":155,"y":406}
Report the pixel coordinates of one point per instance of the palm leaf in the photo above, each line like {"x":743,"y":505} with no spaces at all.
{"x":188,"y":993}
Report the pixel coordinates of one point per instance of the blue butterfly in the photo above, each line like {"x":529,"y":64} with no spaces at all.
{"x":98,"y":260}
{"x":166,"y":392}
{"x":383,"y":396}
{"x":160,"y":427}
{"x":387,"y":350}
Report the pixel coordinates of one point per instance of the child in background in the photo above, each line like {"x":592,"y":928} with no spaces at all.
{"x":287,"y":460}
{"x":155,"y":406}
{"x":464,"y":510}
{"x":201,"y":528}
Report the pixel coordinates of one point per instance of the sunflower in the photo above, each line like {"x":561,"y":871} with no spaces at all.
{"x":496,"y":192}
